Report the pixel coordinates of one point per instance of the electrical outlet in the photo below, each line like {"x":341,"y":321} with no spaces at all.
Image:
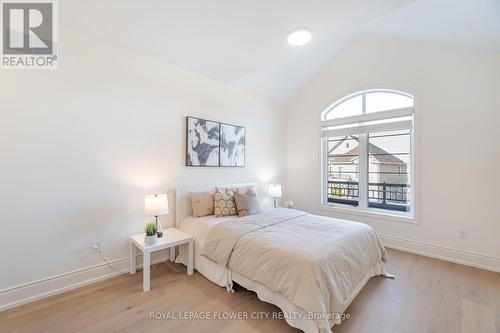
{"x":95,"y":245}
{"x":462,"y":234}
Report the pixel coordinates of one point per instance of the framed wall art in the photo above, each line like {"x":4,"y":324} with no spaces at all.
{"x":202,"y":146}
{"x":213,"y":144}
{"x":232,"y":145}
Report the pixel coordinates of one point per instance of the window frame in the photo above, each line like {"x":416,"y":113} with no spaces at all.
{"x":362,"y":209}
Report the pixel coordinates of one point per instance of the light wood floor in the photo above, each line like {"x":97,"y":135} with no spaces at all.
{"x":428,"y":295}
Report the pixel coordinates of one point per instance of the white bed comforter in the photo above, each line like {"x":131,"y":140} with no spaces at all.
{"x":315,"y":262}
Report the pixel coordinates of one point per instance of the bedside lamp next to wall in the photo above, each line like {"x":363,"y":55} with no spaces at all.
{"x":275,"y":193}
{"x":156,"y":205}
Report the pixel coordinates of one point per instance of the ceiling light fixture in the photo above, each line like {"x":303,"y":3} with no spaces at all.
{"x":300,"y":36}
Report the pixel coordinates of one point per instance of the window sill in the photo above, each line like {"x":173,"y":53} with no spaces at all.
{"x":372,"y":213}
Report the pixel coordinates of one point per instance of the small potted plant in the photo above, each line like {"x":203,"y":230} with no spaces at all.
{"x":151,"y":233}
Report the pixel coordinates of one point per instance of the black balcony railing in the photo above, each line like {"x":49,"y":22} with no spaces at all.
{"x":389,"y":196}
{"x":343,"y":192}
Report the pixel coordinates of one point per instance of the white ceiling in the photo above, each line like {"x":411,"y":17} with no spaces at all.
{"x":243,"y":43}
{"x":474,"y":23}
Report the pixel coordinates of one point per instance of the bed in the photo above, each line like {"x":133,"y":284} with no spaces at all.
{"x":311,"y":267}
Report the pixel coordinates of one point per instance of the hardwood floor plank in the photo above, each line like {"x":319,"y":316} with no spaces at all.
{"x":428,"y":295}
{"x":72,"y":294}
{"x":477,"y":317}
{"x":494,"y":293}
{"x":471,"y":289}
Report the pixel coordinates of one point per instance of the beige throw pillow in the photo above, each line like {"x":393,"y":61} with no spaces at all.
{"x":224,"y":203}
{"x":246,"y":190}
{"x":202,"y":203}
{"x":246,"y":204}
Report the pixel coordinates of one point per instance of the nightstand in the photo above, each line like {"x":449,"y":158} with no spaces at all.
{"x":172,"y":237}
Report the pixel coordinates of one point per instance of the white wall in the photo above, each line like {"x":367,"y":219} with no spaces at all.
{"x":81,"y":145}
{"x":458,"y":113}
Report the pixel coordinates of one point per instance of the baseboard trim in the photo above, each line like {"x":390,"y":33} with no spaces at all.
{"x":463,"y":257}
{"x":36,"y":290}
{"x":57,"y":284}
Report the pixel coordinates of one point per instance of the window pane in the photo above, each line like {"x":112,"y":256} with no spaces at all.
{"x":343,"y":159}
{"x":351,"y":107}
{"x":389,"y":163}
{"x":382,"y":101}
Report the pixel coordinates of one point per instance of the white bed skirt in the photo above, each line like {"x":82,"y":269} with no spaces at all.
{"x":266,"y":295}
{"x":224,"y":277}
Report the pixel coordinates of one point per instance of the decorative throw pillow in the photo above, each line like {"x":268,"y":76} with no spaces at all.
{"x":202,"y":203}
{"x":246,"y":190}
{"x":224,"y":203}
{"x":246,"y":204}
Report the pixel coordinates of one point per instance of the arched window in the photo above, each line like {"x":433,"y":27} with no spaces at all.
{"x":368,"y":101}
{"x":367,"y":152}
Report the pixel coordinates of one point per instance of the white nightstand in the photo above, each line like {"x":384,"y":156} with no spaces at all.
{"x":171,"y":238}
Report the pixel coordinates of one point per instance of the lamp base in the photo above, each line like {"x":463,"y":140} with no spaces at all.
{"x":159,"y":228}
{"x":275,"y":202}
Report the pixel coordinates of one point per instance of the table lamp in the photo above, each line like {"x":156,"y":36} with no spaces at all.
{"x":156,"y":205}
{"x":275,"y":193}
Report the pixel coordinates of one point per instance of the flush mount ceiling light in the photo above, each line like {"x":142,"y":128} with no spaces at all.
{"x":300,"y":36}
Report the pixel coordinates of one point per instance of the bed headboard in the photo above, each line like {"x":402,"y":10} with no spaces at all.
{"x":183,"y":201}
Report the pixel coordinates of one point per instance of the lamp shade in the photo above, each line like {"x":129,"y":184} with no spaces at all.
{"x":156,"y":205}
{"x":275,"y":190}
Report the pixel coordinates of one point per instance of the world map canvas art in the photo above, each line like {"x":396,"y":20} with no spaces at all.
{"x":202,"y":142}
{"x":210,"y":143}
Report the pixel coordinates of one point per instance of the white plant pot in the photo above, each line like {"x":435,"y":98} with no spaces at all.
{"x":150,"y":239}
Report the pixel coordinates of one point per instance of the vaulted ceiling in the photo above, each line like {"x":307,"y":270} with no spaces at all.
{"x":243,"y":43}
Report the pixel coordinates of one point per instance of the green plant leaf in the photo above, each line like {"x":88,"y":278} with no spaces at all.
{"x":150,"y":229}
